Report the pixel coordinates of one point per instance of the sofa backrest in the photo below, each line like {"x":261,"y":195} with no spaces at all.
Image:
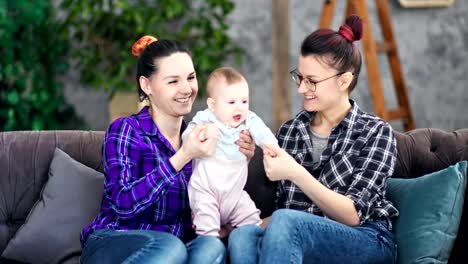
{"x":25,"y":157}
{"x":425,"y":150}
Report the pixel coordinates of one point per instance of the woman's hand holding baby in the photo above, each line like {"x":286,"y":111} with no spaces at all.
{"x":209,"y":131}
{"x":246,"y":144}
{"x":201,"y":142}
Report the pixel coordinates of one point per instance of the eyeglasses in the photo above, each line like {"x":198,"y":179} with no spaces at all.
{"x":311,"y":85}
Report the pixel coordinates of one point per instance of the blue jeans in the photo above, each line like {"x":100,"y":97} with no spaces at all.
{"x":146,"y":246}
{"x":298,"y":237}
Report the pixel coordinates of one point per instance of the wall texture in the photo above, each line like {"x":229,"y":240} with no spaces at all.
{"x":433,"y":48}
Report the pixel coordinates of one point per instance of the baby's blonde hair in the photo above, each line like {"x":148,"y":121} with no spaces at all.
{"x":227,"y":74}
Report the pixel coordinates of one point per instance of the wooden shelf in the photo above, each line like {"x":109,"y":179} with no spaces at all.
{"x":425,"y":3}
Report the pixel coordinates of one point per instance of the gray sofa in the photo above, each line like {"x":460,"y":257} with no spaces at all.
{"x":25,"y":158}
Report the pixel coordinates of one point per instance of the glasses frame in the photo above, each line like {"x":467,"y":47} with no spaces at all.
{"x":298,"y":79}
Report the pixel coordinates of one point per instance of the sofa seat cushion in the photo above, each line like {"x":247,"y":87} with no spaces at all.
{"x":430,"y":211}
{"x":68,"y":202}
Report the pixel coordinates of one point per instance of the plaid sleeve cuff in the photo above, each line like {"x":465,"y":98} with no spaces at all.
{"x":361,"y":199}
{"x":165,"y":172}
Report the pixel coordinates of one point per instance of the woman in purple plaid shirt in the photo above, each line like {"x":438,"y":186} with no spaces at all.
{"x":145,"y":215}
{"x":331,"y":168}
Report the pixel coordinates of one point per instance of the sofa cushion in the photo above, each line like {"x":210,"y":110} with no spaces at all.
{"x":68,"y":202}
{"x":430,"y":210}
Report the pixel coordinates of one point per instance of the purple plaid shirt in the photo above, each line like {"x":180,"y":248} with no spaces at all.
{"x":142,"y":190}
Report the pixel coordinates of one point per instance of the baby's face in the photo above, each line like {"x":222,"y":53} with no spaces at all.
{"x":230,"y":103}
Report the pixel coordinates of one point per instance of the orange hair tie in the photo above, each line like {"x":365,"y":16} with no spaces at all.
{"x":141,"y":44}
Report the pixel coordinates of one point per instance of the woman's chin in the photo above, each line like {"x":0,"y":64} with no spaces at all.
{"x":183,"y":111}
{"x":309,"y":107}
{"x":186,"y":111}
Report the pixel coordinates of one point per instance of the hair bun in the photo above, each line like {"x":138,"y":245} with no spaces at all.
{"x":352,"y":28}
{"x":141,"y":44}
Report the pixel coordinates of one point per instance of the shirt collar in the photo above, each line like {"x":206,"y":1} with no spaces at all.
{"x":352,"y":116}
{"x":348,"y":121}
{"x":147,"y":124}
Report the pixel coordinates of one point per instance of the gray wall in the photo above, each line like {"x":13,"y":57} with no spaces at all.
{"x":432,"y":42}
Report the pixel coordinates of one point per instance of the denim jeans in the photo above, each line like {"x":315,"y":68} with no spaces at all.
{"x":298,"y":237}
{"x":146,"y":246}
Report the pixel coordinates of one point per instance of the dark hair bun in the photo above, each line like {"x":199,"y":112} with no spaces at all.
{"x":141,"y":44}
{"x":352,"y":28}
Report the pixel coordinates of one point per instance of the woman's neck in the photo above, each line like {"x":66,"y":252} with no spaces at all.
{"x":168,"y":125}
{"x":325,"y":121}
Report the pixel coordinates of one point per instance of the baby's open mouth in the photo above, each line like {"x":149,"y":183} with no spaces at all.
{"x":237,"y":118}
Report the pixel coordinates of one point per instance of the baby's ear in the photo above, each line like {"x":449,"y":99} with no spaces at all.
{"x":210,"y":102}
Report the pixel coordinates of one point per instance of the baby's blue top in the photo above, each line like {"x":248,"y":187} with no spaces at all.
{"x":227,"y":147}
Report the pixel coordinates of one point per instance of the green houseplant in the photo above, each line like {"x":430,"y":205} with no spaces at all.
{"x":32,"y":57}
{"x":104,"y":31}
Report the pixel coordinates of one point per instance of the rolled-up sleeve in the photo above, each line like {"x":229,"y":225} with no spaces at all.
{"x":374,"y":165}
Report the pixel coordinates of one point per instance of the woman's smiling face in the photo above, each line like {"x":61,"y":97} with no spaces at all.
{"x":173,"y":89}
{"x":319,"y":86}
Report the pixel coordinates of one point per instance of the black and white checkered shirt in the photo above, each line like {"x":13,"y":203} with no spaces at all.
{"x":359,"y":157}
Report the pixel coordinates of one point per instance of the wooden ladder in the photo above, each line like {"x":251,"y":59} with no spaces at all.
{"x":370,"y":48}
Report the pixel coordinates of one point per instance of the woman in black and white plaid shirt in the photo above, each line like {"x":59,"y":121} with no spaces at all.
{"x":332,"y":168}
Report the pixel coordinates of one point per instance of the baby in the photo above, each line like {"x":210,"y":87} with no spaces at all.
{"x":216,"y":188}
